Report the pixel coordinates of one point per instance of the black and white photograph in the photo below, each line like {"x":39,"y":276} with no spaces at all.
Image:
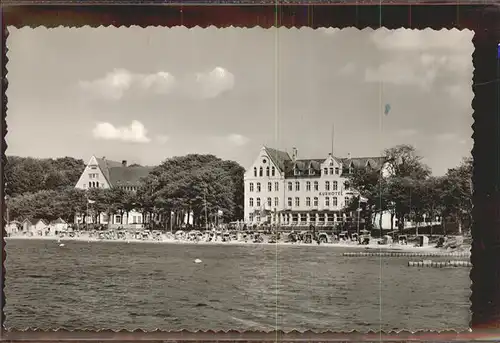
{"x":238,"y":179}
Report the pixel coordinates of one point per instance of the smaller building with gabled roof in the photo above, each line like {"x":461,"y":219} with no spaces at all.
{"x":104,"y":173}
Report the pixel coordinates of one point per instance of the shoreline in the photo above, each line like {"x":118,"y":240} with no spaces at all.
{"x":367,"y":248}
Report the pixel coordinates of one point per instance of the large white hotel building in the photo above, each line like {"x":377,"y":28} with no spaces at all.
{"x":283,"y":190}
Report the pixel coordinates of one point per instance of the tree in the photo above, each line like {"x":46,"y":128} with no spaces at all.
{"x":405,"y":162}
{"x":457,"y":193}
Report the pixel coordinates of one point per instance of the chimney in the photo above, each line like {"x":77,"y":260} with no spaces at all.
{"x":124,"y":163}
{"x":104,"y":158}
{"x":349,"y":155}
{"x":294,"y":154}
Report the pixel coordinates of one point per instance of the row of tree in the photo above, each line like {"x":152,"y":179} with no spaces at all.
{"x":25,"y":175}
{"x":411,"y":193}
{"x":196,"y":184}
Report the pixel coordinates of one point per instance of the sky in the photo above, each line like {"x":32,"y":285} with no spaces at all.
{"x":144,"y":95}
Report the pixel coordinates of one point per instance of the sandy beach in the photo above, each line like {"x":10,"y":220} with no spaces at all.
{"x":169,"y":240}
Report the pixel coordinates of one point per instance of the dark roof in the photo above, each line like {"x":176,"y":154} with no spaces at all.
{"x":36,"y":220}
{"x":359,"y":162}
{"x":286,"y":164}
{"x":127,"y":176}
{"x":278,"y":157}
{"x":119,"y":175}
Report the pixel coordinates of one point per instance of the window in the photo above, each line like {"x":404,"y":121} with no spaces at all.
{"x":250,"y":217}
{"x":308,"y":185}
{"x":276,"y":186}
{"x":296,"y":171}
{"x":325,"y":171}
{"x":327,"y":185}
{"x":258,"y":202}
{"x":346,"y":185}
{"x":251,"y":186}
{"x":90,"y":184}
{"x":250,"y":202}
{"x":297,"y":201}
{"x":97,"y":184}
{"x":315,"y":201}
{"x":350,"y":169}
{"x":334,"y":201}
{"x":308,"y":201}
{"x":346,"y":200}
{"x":260,"y":171}
{"x":267,"y":171}
{"x":297,"y":186}
{"x":337,"y":170}
{"x":311,"y":171}
{"x":269,"y":186}
{"x":327,"y":202}
{"x":335,"y":185}
{"x":316,"y":187}
{"x":276,"y":202}
{"x":118,"y":219}
{"x":255,"y":171}
{"x":273,"y":171}
{"x":257,"y":218}
{"x":289,"y":186}
{"x":290,"y":202}
{"x":269,"y":203}
{"x":331,"y":171}
{"x":258,"y":186}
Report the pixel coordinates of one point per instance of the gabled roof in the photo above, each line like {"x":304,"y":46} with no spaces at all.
{"x":58,"y":221}
{"x":36,"y":220}
{"x":125,"y":176}
{"x":361,"y":162}
{"x":278,"y":157}
{"x":119,"y":175}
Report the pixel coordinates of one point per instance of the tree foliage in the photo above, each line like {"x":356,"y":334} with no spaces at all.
{"x":30,"y":175}
{"x":410,"y":192}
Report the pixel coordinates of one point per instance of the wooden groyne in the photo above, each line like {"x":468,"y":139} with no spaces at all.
{"x":405,"y":254}
{"x":439,"y":264}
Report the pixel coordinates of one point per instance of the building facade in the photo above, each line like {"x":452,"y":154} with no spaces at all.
{"x":103,"y":173}
{"x":284,"y":190}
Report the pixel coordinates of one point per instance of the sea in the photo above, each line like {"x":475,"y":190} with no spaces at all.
{"x":115,"y":285}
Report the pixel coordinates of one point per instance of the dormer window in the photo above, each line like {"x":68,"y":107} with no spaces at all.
{"x":296,"y":171}
{"x":311,"y":171}
{"x":331,"y":163}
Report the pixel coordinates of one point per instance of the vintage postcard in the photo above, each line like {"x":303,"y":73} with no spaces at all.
{"x":238,"y":179}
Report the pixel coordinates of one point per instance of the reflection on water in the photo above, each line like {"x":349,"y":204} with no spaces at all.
{"x":149,"y":286}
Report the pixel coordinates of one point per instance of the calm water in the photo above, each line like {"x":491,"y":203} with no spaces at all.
{"x":149,"y":286}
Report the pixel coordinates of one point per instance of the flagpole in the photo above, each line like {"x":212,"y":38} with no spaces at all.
{"x":206,"y":216}
{"x":333,"y":135}
{"x":87,"y":218}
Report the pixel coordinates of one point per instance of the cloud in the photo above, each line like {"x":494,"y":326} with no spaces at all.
{"x":211,"y":84}
{"x":406,"y":132}
{"x":135,"y":132}
{"x":446,"y":136}
{"x":161,"y":139}
{"x":237,"y":139}
{"x":116,"y":83}
{"x":400,"y":72}
{"x":421,"y":40}
{"x":421,"y":57}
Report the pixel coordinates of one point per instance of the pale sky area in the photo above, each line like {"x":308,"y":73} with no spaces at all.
{"x":144,"y":95}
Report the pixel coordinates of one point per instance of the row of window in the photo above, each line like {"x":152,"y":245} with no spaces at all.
{"x":94,"y":184}
{"x":322,"y":217}
{"x":271,"y":171}
{"x":93,"y":176}
{"x":334,"y":202}
{"x":334,"y":186}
